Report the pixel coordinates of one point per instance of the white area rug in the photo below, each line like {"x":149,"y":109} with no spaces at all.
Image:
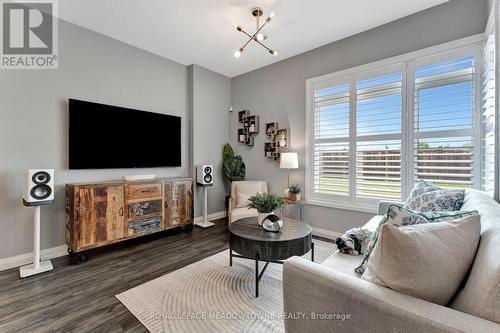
{"x":211,"y":296}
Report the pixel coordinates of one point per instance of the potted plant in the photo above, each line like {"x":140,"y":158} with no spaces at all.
{"x":265,"y":204}
{"x":294,"y":192}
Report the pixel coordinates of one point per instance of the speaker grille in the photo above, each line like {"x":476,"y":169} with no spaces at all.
{"x":208,"y":170}
{"x":40,"y":178}
{"x":40,"y":192}
{"x":207,"y":178}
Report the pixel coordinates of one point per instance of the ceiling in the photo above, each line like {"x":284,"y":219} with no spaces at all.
{"x":202,"y":31}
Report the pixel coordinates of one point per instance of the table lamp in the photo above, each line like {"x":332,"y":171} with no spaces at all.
{"x":289,"y":161}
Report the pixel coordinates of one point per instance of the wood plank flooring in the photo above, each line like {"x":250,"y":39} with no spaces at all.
{"x":81,"y":298}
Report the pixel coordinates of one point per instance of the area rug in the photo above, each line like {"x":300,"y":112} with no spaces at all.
{"x":211,"y":296}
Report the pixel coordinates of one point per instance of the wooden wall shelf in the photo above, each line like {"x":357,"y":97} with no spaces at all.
{"x":251,"y":127}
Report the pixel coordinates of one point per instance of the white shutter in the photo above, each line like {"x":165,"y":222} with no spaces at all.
{"x":378,"y":139}
{"x":444,"y":122}
{"x":488,"y":118}
{"x":331,"y":141}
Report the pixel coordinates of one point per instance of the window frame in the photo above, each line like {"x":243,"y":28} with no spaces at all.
{"x":406,"y":63}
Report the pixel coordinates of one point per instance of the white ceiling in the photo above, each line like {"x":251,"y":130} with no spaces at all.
{"x":202,"y":31}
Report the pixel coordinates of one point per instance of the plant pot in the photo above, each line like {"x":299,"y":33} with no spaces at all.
{"x":294,"y":197}
{"x":262,"y":216}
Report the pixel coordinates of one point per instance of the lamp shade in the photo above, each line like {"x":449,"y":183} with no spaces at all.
{"x":289,"y":161}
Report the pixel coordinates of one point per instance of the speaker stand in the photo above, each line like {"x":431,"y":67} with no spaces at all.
{"x":205,"y":223}
{"x":37,"y":266}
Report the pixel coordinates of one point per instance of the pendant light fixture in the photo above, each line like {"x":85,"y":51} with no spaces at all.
{"x":258,"y":36}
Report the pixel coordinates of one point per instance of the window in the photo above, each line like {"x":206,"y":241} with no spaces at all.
{"x":444,"y":122}
{"x":374,"y":130}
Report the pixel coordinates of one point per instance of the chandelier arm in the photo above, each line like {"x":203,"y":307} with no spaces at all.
{"x":255,"y":39}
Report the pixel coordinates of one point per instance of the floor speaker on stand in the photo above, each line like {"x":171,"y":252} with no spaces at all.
{"x":39,"y":192}
{"x":205,"y":178}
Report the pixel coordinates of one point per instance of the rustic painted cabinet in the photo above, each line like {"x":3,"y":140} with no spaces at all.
{"x":103,"y":213}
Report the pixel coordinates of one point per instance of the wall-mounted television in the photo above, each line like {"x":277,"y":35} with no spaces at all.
{"x":108,"y":137}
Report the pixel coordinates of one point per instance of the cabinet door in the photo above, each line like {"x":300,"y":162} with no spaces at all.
{"x":101,"y":215}
{"x":167,"y":205}
{"x":182,"y":203}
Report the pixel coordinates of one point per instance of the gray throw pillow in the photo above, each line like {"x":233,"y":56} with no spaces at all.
{"x":427,"y":197}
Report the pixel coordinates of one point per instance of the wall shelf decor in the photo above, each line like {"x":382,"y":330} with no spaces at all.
{"x":250,"y":128}
{"x":278,"y":141}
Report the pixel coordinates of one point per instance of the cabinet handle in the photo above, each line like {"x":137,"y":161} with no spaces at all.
{"x":146,"y":191}
{"x":121,"y":211}
{"x":166,"y":204}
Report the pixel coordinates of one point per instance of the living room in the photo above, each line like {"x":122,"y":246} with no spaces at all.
{"x":272,"y":166}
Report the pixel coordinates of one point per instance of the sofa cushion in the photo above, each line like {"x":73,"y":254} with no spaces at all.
{"x":242,"y":201}
{"x":427,"y":197}
{"x":481,"y":295}
{"x":241,"y":213}
{"x":428,"y":261}
{"x":400,"y":216}
{"x":343,"y":263}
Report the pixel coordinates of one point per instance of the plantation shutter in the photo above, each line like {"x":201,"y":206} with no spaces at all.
{"x":488,"y":118}
{"x":378,"y":136}
{"x":444,"y":122}
{"x":331,"y":141}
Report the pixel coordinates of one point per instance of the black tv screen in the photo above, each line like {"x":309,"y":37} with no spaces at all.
{"x":104,"y":137}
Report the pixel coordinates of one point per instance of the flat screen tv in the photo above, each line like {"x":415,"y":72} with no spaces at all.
{"x":105,"y":137}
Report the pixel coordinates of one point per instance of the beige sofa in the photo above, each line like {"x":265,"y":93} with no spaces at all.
{"x":332,"y":288}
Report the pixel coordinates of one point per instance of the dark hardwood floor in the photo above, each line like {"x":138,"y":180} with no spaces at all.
{"x":81,"y":298}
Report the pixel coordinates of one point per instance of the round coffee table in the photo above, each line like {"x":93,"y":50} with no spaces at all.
{"x":251,"y":241}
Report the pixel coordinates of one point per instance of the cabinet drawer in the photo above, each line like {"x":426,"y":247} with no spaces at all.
{"x":141,"y":208}
{"x":141,"y":191}
{"x":150,"y":224}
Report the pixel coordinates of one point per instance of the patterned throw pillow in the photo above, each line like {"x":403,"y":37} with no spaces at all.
{"x":427,"y":197}
{"x":400,"y":216}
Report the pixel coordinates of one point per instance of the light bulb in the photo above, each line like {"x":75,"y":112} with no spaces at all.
{"x":237,"y":54}
{"x":274,"y":53}
{"x":260,"y":37}
{"x":271,"y":15}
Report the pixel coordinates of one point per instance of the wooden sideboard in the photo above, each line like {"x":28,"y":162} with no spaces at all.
{"x":98,"y":214}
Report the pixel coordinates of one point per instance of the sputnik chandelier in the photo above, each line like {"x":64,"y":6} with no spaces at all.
{"x":258,"y":36}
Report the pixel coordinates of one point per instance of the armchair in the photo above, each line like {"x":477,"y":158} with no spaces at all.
{"x":238,"y":210}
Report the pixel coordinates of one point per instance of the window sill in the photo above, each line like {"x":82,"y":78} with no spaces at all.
{"x":344,"y":206}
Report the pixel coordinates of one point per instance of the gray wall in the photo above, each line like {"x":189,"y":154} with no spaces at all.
{"x":210,"y":97}
{"x":277,"y":92}
{"x":33,"y":121}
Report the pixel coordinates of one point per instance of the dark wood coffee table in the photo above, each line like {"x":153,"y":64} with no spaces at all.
{"x":251,"y":241}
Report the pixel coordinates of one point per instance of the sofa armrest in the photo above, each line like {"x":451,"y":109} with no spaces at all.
{"x":383,"y":205}
{"x":350,"y":304}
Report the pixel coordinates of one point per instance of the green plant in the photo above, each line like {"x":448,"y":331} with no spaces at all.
{"x":234,"y":168}
{"x":295,"y":189}
{"x":265,"y":202}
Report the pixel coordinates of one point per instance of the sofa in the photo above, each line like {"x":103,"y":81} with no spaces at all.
{"x":342,"y":302}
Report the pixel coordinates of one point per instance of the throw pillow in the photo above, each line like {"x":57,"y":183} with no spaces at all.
{"x":427,"y":197}
{"x":242,"y":200}
{"x":428,"y":261}
{"x":354,"y":241}
{"x":400,"y":216}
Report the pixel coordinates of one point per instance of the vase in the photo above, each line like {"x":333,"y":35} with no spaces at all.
{"x":262,"y":216}
{"x":294,"y":197}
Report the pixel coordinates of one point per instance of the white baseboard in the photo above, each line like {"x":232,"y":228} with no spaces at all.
{"x":325,"y":233}
{"x":27,"y":258}
{"x":211,"y":217}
